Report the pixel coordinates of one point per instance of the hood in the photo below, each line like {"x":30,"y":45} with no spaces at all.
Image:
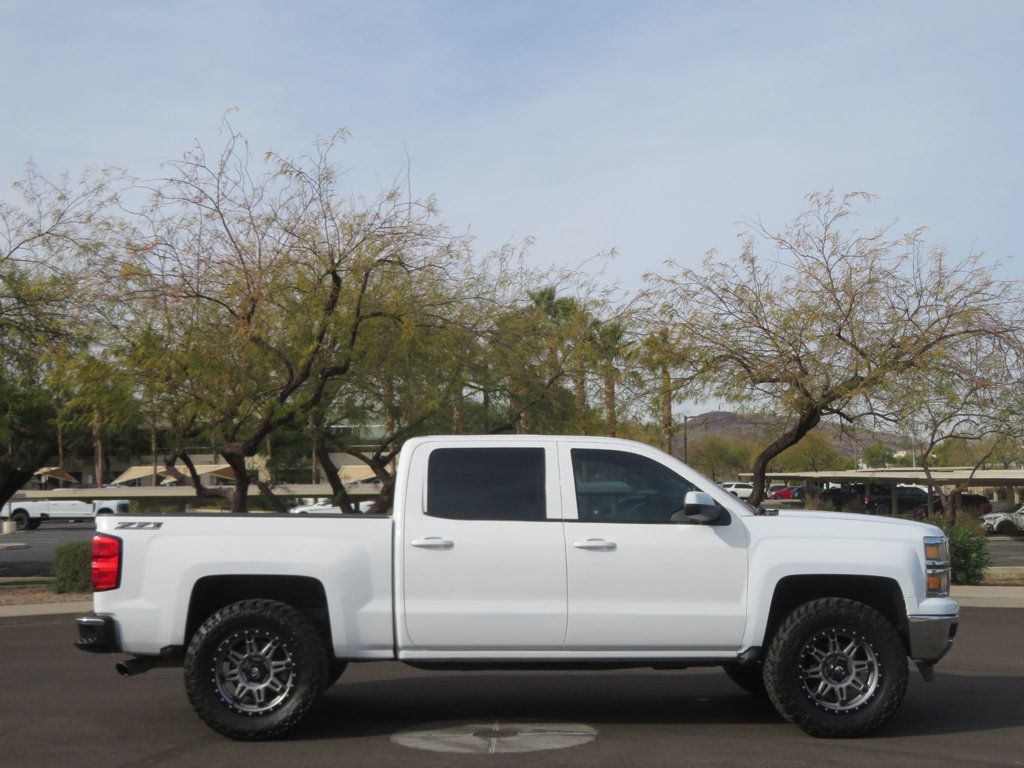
{"x":859,"y":519}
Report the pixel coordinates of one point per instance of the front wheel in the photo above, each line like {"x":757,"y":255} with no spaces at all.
{"x":836,"y":668}
{"x":1005,"y":528}
{"x":254,"y":669}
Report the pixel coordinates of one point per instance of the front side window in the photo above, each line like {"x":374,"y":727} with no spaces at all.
{"x":486,"y":484}
{"x":621,"y":487}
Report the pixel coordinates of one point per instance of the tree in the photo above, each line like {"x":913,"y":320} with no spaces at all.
{"x":878,"y":455}
{"x":53,"y":242}
{"x":278,"y":275}
{"x":813,"y":453}
{"x":721,"y":458}
{"x":969,"y":413}
{"x":827,"y":321}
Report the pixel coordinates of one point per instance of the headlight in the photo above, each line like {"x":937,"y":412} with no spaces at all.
{"x":937,"y":567}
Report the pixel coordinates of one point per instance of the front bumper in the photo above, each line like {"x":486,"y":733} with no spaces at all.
{"x":931,"y":637}
{"x":97,"y":634}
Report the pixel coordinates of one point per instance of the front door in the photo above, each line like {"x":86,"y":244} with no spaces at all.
{"x":638,"y":581}
{"x":483,"y":557}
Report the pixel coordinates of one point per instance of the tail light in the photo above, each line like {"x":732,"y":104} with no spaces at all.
{"x":867,"y":501}
{"x":106,"y":562}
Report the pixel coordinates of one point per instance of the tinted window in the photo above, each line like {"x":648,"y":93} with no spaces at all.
{"x":620,"y":487}
{"x":486,"y":484}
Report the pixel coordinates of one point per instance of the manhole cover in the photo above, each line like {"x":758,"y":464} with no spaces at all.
{"x":495,"y":737}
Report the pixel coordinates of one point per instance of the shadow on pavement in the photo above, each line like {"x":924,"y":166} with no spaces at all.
{"x":950,"y":704}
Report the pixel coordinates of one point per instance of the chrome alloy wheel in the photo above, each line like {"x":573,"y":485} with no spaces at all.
{"x":253,"y":672}
{"x":839,"y":670}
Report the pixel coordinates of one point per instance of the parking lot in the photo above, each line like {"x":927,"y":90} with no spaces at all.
{"x":64,"y":707}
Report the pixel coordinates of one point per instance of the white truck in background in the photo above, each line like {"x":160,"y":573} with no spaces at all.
{"x":527,"y":552}
{"x":31,"y":514}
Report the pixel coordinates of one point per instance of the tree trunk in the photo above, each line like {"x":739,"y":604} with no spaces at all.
{"x":457,"y":411}
{"x":806,"y":421}
{"x":235,"y":459}
{"x":666,"y":410}
{"x":152,"y":446}
{"x":610,"y":412}
{"x":97,"y":445}
{"x":579,"y":387}
{"x":60,"y":450}
{"x":334,"y":478}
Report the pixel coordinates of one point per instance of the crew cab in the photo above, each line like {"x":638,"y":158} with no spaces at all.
{"x":527,"y":551}
{"x":31,"y":514}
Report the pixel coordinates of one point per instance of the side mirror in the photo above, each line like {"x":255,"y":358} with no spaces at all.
{"x":700,"y":507}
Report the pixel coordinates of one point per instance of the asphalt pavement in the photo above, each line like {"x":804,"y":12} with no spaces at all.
{"x":65,"y":707}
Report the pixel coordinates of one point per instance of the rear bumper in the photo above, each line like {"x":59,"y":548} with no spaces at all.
{"x":931,"y":637}
{"x":97,"y":634}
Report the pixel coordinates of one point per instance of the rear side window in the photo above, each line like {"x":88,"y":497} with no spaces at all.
{"x":486,"y":484}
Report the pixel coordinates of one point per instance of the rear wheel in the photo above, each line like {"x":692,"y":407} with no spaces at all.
{"x":255,"y":669}
{"x":836,"y":668}
{"x":749,"y":677}
{"x":21,"y":519}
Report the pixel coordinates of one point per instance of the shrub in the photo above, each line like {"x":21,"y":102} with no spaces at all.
{"x":72,"y":567}
{"x":968,"y":550}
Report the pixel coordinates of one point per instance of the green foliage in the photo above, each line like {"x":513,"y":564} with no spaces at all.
{"x":72,"y":567}
{"x":968,"y":550}
{"x":813,"y":453}
{"x":878,"y":455}
{"x":719,"y":457}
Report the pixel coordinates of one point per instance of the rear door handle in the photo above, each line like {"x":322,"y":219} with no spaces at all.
{"x":433,"y":542}
{"x":595,"y":544}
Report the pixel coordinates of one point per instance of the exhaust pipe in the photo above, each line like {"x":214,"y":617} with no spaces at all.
{"x":135,"y":665}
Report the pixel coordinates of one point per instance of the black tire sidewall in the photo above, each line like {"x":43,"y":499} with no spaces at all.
{"x":787,"y":691}
{"x":304,"y":644}
{"x":21,"y":519}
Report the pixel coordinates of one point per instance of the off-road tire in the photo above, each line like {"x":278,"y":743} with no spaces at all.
{"x":749,"y":677}
{"x":21,"y":519}
{"x":308,"y":669}
{"x":786,"y":688}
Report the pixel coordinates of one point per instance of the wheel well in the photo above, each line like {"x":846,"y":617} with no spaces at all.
{"x":878,"y":592}
{"x":211,"y":593}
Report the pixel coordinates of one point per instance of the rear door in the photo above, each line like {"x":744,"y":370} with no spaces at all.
{"x":483,"y":558}
{"x":637,"y":581}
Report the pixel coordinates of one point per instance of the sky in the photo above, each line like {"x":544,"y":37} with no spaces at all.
{"x":650,"y":128}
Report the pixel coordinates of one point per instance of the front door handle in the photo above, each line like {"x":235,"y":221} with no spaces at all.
{"x":433,"y":542}
{"x":601,"y":545}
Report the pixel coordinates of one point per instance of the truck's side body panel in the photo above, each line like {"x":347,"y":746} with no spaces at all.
{"x":350,"y":556}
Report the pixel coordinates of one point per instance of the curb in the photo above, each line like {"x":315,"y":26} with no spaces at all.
{"x":45,"y":609}
{"x":13,"y":546}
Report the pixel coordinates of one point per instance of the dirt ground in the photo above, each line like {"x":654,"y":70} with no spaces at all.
{"x":35,"y":595}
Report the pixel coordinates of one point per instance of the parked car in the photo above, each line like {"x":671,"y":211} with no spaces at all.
{"x":739,"y":490}
{"x":1004,"y":523}
{"x":531,"y":551}
{"x":31,"y":514}
{"x":787,"y":492}
{"x":875,"y":498}
{"x":973,"y":503}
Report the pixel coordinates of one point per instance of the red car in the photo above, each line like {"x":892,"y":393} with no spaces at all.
{"x":794,"y":492}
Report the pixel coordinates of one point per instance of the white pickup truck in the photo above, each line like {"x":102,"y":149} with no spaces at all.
{"x":527,"y":552}
{"x":31,"y":514}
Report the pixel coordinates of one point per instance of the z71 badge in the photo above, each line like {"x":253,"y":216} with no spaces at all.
{"x":139,"y":526}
